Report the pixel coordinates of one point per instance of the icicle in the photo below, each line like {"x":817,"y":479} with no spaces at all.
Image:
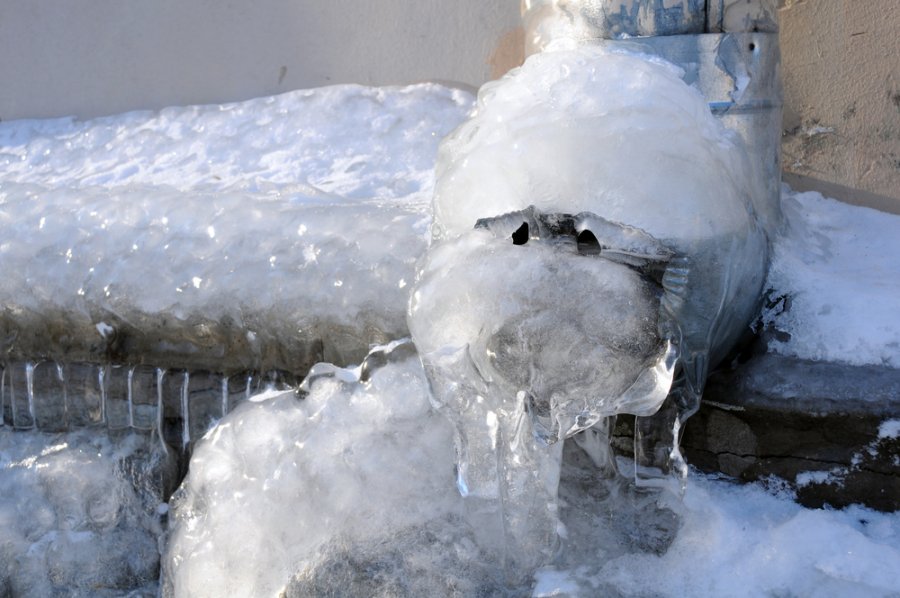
{"x":185,"y":413}
{"x":29,"y":385}
{"x":130,"y":394}
{"x":224,"y":396}
{"x":61,"y":375}
{"x":160,"y":375}
{"x":3,"y":373}
{"x":101,"y":380}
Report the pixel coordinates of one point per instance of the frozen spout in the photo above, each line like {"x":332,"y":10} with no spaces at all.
{"x":727,"y":49}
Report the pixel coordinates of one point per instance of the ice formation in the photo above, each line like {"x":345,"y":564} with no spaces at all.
{"x":323,"y":488}
{"x":350,"y":491}
{"x":593,"y":231}
{"x":80,"y":514}
{"x":271,"y":233}
{"x":371,"y":507}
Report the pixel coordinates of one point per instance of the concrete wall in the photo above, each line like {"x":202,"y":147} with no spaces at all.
{"x":841,"y":73}
{"x":93,"y":57}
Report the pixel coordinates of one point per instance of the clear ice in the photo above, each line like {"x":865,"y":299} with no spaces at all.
{"x":80,"y":513}
{"x":594,"y":250}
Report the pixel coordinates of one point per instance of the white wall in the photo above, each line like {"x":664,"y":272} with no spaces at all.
{"x":93,"y":57}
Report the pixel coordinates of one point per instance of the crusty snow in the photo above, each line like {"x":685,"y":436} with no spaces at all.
{"x":838,"y":265}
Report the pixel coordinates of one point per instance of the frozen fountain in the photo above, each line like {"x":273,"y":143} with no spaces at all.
{"x":599,"y":240}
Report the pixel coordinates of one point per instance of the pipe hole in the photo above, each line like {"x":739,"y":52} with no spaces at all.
{"x":520,"y":236}
{"x":587,"y":242}
{"x":752,"y":46}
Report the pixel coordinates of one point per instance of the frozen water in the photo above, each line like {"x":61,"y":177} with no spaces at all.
{"x":836,"y":267}
{"x":312,"y":486}
{"x":593,"y":230}
{"x":400,"y":537}
{"x":79,"y":513}
{"x":350,"y":491}
{"x":271,"y":233}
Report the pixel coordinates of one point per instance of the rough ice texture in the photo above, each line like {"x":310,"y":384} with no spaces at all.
{"x":79,"y":515}
{"x":351,"y":490}
{"x":266,"y":234}
{"x":284,"y":487}
{"x":837,"y":265}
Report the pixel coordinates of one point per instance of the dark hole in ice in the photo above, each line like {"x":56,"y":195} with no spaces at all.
{"x":587,"y":242}
{"x":752,"y":46}
{"x":520,"y":236}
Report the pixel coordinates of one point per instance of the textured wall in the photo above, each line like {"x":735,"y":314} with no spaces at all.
{"x":841,"y":72}
{"x":91,"y":57}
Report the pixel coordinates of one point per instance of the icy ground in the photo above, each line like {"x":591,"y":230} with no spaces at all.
{"x":259,"y":182}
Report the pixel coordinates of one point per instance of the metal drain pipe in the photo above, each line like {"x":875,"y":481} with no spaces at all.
{"x":728,"y":49}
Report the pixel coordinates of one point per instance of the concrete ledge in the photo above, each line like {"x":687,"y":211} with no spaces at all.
{"x":813,"y":424}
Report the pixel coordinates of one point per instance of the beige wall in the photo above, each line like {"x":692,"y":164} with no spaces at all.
{"x":841,"y":73}
{"x":92,"y":57}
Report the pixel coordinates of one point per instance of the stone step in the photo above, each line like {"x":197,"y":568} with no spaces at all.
{"x":831,"y":431}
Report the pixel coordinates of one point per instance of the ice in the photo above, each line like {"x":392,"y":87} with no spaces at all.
{"x":325,"y":490}
{"x":261,"y":235}
{"x":79,"y":513}
{"x":344,"y":141}
{"x":593,"y":236}
{"x":350,"y":491}
{"x":329,"y":188}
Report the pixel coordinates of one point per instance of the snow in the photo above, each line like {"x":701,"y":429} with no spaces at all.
{"x":889,"y":429}
{"x":838,"y":265}
{"x":340,"y":142}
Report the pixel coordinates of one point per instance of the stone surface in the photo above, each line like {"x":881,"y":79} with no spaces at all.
{"x":813,"y":424}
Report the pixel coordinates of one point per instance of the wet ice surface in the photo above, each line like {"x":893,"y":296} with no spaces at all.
{"x":351,"y":492}
{"x":79,"y":514}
